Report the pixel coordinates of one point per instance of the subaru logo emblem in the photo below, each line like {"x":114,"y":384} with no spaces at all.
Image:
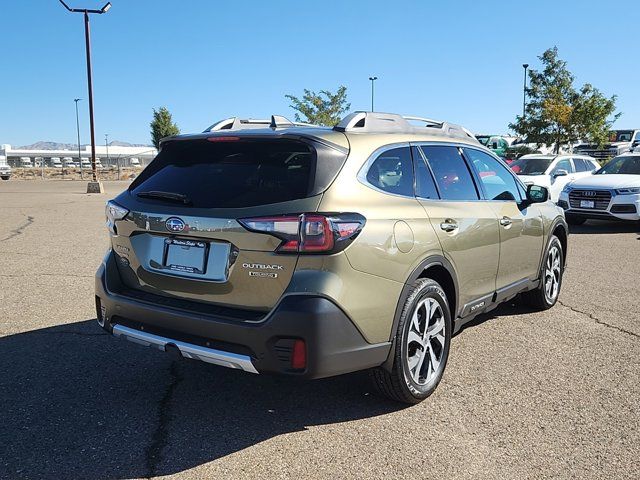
{"x":174,"y":224}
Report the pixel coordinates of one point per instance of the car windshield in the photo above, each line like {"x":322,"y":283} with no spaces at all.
{"x":531,"y":166}
{"x":621,"y":136}
{"x":622,"y":165}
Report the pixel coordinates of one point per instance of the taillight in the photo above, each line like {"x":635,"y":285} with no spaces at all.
{"x":114,"y":212}
{"x":309,"y":232}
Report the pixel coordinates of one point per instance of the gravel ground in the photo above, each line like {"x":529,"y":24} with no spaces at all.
{"x":525,"y":395}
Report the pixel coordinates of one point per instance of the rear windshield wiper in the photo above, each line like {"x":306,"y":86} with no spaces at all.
{"x":171,"y":196}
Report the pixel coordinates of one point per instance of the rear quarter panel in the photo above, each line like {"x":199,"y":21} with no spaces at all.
{"x":396,"y":238}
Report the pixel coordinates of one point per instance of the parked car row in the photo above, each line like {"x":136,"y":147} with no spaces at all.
{"x":583,"y":189}
{"x":67,"y":162}
{"x":553,"y":171}
{"x":620,"y":141}
{"x":512,"y":148}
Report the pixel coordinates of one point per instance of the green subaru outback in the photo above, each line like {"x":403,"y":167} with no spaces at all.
{"x":269,"y":246}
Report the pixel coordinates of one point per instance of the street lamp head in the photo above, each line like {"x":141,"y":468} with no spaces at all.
{"x":373,"y":78}
{"x":525,"y":65}
{"x":106,"y":7}
{"x":77,"y":99}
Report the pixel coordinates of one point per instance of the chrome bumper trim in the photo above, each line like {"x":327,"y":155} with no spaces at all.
{"x":188,"y":350}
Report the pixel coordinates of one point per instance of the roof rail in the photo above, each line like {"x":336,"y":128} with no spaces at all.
{"x":237,"y":123}
{"x":375,"y":122}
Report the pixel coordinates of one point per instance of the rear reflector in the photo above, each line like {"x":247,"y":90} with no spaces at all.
{"x":309,"y":232}
{"x":299,"y":355}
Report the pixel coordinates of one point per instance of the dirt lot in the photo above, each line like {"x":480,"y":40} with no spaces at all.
{"x":525,"y":394}
{"x":106,"y":173}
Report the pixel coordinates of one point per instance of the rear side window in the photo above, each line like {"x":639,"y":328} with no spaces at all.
{"x":392,"y":172}
{"x":235,"y":174}
{"x":583,"y":165}
{"x":425,"y":185}
{"x":578,"y":163}
{"x":451,"y":173}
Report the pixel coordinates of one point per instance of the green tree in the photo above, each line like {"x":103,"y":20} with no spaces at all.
{"x":557,"y":114}
{"x":323,"y":108}
{"x":162,"y":126}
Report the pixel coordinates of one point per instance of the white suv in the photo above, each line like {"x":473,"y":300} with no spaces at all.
{"x":553,"y":171}
{"x":613,"y":192}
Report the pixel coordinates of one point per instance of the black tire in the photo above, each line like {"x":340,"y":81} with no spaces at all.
{"x":574,"y":220}
{"x":5,"y":178}
{"x":399,"y":384}
{"x":539,"y":298}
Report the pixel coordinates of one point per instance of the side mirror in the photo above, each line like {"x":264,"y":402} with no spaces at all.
{"x":560,"y":173}
{"x":537,"y":194}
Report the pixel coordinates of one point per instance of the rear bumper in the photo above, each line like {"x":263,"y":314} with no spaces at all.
{"x":333,"y":344}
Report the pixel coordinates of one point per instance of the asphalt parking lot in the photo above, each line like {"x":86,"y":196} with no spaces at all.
{"x":525,"y":394}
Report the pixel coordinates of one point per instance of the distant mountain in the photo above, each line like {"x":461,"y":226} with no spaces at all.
{"x":74,"y":146}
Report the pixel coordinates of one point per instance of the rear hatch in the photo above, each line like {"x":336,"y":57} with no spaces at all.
{"x":195,"y":219}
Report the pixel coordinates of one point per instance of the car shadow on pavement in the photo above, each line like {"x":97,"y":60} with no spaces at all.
{"x":604,"y":226}
{"x":78,"y":403}
{"x":512,"y":307}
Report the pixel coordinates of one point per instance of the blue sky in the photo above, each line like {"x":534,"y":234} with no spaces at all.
{"x":205,"y":60}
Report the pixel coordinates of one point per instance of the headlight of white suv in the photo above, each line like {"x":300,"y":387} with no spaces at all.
{"x":114,"y":212}
{"x":567,"y":188}
{"x":628,"y":191}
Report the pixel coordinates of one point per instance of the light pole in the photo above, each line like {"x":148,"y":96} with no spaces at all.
{"x":106,"y":144}
{"x":94,"y":186}
{"x":524,"y":89}
{"x":373,"y":79}
{"x":78,"y":131}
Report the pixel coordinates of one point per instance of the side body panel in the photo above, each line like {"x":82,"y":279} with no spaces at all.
{"x":521,"y":242}
{"x":473,"y":248}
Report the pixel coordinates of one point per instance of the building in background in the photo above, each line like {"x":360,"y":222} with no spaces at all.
{"x":123,"y":156}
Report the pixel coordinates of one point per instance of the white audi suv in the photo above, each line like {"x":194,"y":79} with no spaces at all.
{"x":613,"y":192}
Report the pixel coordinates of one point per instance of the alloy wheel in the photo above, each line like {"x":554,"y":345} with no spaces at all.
{"x":425,"y":341}
{"x":553,"y":271}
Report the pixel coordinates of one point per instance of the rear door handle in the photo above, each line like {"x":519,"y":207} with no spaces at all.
{"x":449,"y":225}
{"x":505,"y":221}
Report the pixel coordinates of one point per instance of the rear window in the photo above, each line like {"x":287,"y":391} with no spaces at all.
{"x":241,"y":173}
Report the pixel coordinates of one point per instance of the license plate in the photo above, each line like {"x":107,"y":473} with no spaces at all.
{"x":186,"y":256}
{"x":587,"y":204}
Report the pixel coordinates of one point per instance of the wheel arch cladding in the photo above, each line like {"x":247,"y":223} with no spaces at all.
{"x":439,"y":269}
{"x":560,"y":231}
{"x":441,"y":275}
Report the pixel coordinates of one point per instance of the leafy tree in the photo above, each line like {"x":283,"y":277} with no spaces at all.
{"x":162,"y":126}
{"x":557,"y":114}
{"x":324,"y":108}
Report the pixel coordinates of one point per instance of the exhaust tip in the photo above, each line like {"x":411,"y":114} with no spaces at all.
{"x":173,"y":351}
